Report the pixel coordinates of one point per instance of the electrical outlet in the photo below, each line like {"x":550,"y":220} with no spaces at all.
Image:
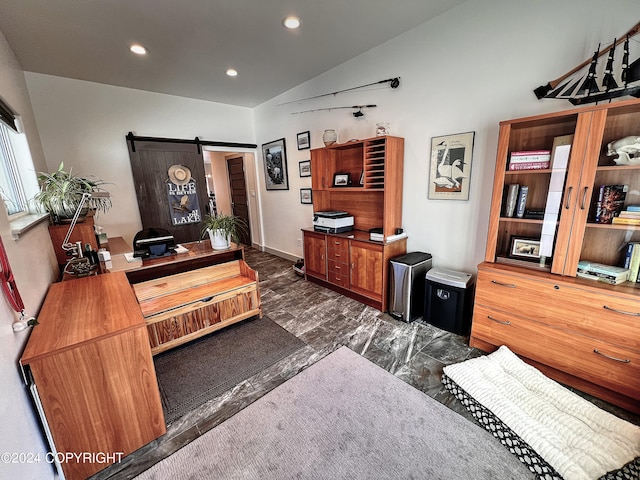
{"x":299,"y":242}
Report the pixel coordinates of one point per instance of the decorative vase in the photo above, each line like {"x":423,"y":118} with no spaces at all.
{"x":218,"y":240}
{"x":382,"y":129}
{"x":329,"y":137}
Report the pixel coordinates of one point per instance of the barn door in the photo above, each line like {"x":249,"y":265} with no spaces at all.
{"x":238,"y":189}
{"x":176,"y":207}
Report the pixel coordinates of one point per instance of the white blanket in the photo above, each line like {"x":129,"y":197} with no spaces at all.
{"x":578,"y":439}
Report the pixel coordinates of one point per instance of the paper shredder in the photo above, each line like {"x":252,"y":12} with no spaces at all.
{"x":406,"y":278}
{"x":449,"y":300}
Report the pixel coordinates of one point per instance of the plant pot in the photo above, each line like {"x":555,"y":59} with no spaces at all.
{"x":218,"y":240}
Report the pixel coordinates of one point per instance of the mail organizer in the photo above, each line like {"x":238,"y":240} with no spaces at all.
{"x":185,"y":306}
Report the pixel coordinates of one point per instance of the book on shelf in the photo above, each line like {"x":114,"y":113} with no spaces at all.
{"x":633,"y":208}
{"x":512,"y":200}
{"x":619,"y":220}
{"x":610,"y":202}
{"x":522,"y":201}
{"x":608,"y":272}
{"x":610,"y":281}
{"x":541,"y":165}
{"x":530,"y":156}
{"x":629,"y":214}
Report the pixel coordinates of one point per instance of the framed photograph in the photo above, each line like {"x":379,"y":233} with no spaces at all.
{"x":450,"y":172}
{"x":304,"y":140}
{"x":341,"y":179}
{"x":525,"y":248}
{"x":306,"y":197}
{"x":304,"y":168}
{"x":274,"y":155}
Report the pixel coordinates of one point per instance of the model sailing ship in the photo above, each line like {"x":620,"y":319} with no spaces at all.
{"x":597,"y":80}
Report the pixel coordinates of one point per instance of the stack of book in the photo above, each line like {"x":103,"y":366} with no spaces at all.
{"x":603,"y":273}
{"x":610,"y":202}
{"x":632,"y":261}
{"x":516,"y":200}
{"x":530,"y":160}
{"x":629,"y":216}
{"x":376,"y":235}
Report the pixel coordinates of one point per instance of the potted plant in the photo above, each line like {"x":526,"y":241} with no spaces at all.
{"x":61,"y":193}
{"x":223,"y":229}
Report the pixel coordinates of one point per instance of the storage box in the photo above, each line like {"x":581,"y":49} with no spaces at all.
{"x":449,"y":300}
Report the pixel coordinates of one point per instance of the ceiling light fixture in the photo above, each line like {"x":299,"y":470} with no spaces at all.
{"x":232,"y":72}
{"x":138,"y":49}
{"x":291,"y":22}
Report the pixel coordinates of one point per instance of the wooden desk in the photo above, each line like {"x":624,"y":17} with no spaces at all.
{"x":89,"y":367}
{"x":199,"y":254}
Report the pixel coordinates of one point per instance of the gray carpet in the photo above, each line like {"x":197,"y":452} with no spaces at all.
{"x":192,"y":374}
{"x":343,"y":417}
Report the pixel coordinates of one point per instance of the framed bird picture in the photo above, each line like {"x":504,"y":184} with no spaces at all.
{"x":450,"y":170}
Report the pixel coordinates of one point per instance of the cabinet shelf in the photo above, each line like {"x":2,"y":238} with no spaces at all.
{"x":611,"y":226}
{"x":535,"y":221}
{"x":529,"y":172}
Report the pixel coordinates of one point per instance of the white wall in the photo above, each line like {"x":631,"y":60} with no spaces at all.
{"x":464,"y":71}
{"x":84,"y":124}
{"x":33,"y":263}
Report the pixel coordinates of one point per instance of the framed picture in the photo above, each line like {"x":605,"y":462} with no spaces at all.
{"x":304,"y":140}
{"x":341,"y":179}
{"x":525,"y":248}
{"x":274,"y":155}
{"x":450,"y":172}
{"x":362,"y":178}
{"x":306,"y":197}
{"x":304,"y":168}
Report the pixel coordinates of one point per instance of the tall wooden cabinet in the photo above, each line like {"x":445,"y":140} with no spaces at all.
{"x":350,"y":262}
{"x":579,"y":331}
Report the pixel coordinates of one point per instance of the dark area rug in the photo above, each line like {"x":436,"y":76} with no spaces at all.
{"x":198,"y":371}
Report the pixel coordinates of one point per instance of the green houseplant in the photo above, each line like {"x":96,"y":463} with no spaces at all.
{"x":223,"y":229}
{"x":61,"y":193}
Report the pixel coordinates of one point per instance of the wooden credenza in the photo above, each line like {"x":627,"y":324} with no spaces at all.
{"x":89,"y":367}
{"x":351,"y":264}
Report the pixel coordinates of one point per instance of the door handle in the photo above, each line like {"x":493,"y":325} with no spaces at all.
{"x":568,"y":200}
{"x":584,"y":198}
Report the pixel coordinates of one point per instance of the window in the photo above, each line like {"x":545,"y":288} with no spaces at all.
{"x":11,"y":189}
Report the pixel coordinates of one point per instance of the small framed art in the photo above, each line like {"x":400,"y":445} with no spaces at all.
{"x":525,"y":248}
{"x":304,"y":168}
{"x":341,"y":179}
{"x":304,"y":140}
{"x":306,"y":196}
{"x":274,"y":155}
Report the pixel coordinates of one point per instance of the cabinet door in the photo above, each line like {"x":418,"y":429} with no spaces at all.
{"x":612,"y":184}
{"x":366,"y":269}
{"x":315,"y":258}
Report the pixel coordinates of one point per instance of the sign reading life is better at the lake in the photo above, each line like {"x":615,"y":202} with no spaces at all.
{"x":183,"y":203}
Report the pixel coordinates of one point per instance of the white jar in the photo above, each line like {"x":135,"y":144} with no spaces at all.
{"x":329,"y":137}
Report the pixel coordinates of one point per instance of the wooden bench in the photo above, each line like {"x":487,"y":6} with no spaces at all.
{"x":182,"y":307}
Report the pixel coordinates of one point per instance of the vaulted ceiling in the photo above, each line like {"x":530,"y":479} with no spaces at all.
{"x":192,"y":43}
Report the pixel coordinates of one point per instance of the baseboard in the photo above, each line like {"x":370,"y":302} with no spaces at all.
{"x":278,"y":253}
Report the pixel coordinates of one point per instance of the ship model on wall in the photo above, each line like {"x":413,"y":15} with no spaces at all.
{"x":599,"y":79}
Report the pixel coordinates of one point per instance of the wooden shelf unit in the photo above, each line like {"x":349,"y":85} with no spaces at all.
{"x":581,"y":332}
{"x":350,"y":263}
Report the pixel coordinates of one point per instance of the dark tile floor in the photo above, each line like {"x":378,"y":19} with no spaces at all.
{"x":415,"y":352}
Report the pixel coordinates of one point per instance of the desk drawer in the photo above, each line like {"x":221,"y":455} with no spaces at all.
{"x":339,"y":278}
{"x":588,"y":311}
{"x":591,"y":359}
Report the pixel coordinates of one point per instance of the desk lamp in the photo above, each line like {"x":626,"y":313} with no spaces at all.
{"x":79,"y":264}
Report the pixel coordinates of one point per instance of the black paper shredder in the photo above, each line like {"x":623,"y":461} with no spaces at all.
{"x":406,"y":290}
{"x":449,"y":300}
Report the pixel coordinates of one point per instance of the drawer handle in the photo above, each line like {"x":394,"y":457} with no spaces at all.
{"x":337,"y":255}
{"x":337,"y":243}
{"x":499,"y":321}
{"x":633,"y":314}
{"x":208,"y":299}
{"x":508,"y":285}
{"x":621,"y":360}
{"x":337,"y":267}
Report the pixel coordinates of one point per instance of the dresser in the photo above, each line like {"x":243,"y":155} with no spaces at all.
{"x":529,"y":295}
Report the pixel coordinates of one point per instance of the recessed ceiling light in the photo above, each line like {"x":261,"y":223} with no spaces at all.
{"x":232,"y":72}
{"x":291,"y":22}
{"x":138,"y":49}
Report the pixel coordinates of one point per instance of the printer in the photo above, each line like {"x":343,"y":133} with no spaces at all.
{"x":332,"y":222}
